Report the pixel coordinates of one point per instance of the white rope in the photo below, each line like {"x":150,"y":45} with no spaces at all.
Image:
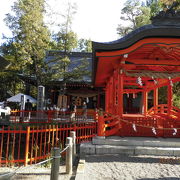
{"x":154,"y":131}
{"x":134,"y":127}
{"x":64,"y":149}
{"x":42,"y":162}
{"x":56,"y":157}
{"x":175,"y":131}
{"x":22,"y":168}
{"x":10,"y":173}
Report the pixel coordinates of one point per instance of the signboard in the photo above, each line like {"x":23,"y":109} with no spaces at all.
{"x":22,"y":102}
{"x":22,"y":108}
{"x":40,"y":98}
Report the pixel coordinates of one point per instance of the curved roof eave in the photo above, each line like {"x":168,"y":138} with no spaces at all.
{"x":136,"y":35}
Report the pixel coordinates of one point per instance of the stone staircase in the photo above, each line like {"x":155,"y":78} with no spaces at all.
{"x":132,"y":146}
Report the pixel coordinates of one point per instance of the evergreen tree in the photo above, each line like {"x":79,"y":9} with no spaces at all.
{"x":167,"y":4}
{"x":134,"y":14}
{"x":31,"y":36}
{"x":84,"y":45}
{"x":66,"y":41}
{"x":155,"y":7}
{"x":10,"y":83}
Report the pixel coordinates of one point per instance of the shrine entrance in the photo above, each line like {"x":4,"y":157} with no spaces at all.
{"x":132,"y":70}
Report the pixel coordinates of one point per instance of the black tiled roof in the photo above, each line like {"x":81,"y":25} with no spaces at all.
{"x":76,"y":59}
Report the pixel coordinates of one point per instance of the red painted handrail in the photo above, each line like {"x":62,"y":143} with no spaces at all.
{"x":49,"y":116}
{"x":26,"y":145}
{"x":163,"y":109}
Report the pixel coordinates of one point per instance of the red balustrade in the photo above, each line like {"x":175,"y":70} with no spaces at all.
{"x":30,"y":144}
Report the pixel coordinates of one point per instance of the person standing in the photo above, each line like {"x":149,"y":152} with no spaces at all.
{"x":84,"y":111}
{"x":73,"y":110}
{"x":28,"y":108}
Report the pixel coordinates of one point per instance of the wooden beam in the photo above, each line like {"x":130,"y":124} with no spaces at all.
{"x":153,"y":62}
{"x":126,"y":91}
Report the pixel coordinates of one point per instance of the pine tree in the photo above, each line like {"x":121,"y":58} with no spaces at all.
{"x":66,"y":41}
{"x":31,"y":36}
{"x":136,"y":14}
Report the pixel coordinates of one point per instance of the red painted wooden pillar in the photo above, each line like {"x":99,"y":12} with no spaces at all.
{"x":145,"y":102}
{"x":101,"y":125}
{"x":106,"y":98}
{"x":98,"y":100}
{"x":120,"y":92}
{"x":155,"y":99}
{"x":170,"y":98}
{"x":110,"y":94}
{"x":116,"y":92}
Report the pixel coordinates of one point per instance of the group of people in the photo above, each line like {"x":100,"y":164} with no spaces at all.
{"x":73,"y":110}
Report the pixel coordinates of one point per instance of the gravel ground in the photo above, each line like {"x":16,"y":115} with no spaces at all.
{"x":124,"y":167}
{"x":35,"y":173}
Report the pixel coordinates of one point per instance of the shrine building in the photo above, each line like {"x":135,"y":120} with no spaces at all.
{"x":132,"y":70}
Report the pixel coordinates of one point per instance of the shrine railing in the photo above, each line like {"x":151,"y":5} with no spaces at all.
{"x":163,"y":109}
{"x":107,"y":125}
{"x":47,"y":116}
{"x":30,"y":144}
{"x":154,"y":125}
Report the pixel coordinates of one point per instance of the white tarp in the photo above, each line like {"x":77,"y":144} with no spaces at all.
{"x":17,"y":98}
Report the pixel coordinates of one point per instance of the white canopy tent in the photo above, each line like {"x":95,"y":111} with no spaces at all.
{"x":17,"y":98}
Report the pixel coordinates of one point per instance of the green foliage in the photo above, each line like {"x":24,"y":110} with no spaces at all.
{"x":9,"y":84}
{"x":155,"y":7}
{"x":79,"y":71}
{"x":60,"y":71}
{"x":176,"y":94}
{"x":84,"y":45}
{"x":162,"y":95}
{"x":167,"y":4}
{"x":144,"y":18}
{"x":31,"y":36}
{"x":176,"y":100}
{"x":135,"y":15}
{"x":162,"y":5}
{"x":66,"y":39}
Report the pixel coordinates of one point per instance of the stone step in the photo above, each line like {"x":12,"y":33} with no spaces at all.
{"x":137,"y":141}
{"x":89,"y":148}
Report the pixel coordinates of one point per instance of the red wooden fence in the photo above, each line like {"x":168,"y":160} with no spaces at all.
{"x":161,"y":121}
{"x":49,"y":116}
{"x":27,"y":145}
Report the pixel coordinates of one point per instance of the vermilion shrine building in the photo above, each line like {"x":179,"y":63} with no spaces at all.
{"x":131,"y":68}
